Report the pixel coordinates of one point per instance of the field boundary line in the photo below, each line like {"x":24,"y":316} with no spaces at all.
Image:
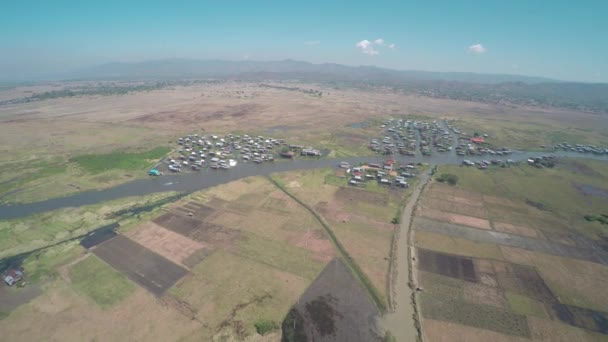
{"x":345,"y":256}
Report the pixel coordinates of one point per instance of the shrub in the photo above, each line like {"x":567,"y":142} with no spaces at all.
{"x":388,"y":337}
{"x":448,"y":178}
{"x":264,"y":326}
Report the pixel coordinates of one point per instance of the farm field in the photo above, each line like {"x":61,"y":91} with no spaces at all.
{"x":533,"y":271}
{"x":360,"y":218}
{"x":212,"y":264}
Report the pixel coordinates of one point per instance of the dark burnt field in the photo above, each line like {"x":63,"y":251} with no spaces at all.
{"x":447,"y":265}
{"x":141,"y":265}
{"x":198,"y":230}
{"x":333,"y":308}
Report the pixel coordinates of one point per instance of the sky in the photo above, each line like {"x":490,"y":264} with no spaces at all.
{"x":566,"y":40}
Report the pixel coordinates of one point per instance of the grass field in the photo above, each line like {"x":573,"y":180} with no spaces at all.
{"x":532,"y":133}
{"x":98,"y":281}
{"x":555,"y":189}
{"x":134,"y":161}
{"x":43,"y":178}
{"x":226,"y":289}
{"x":526,"y":305}
{"x":454,"y":245}
{"x":360,"y":218}
{"x":41,"y":230}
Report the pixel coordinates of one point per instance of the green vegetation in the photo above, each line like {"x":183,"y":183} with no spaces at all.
{"x":388,"y":337}
{"x":265,"y":326}
{"x":97,"y":163}
{"x":481,"y":316}
{"x":42,"y":230}
{"x":100,"y":282}
{"x":43,"y":265}
{"x":525,"y":305}
{"x":603,"y":218}
{"x":18,"y":175}
{"x":448,"y":178}
{"x":560,"y":190}
{"x":279,"y":255}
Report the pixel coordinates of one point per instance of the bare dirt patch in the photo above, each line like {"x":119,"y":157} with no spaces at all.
{"x":315,"y":242}
{"x":482,"y":294}
{"x":455,"y":207}
{"x":454,"y":218}
{"x":515,"y":229}
{"x":167,"y":243}
{"x":442,"y":331}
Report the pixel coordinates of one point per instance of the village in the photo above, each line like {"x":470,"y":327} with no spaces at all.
{"x":410,"y":137}
{"x":390,"y":174}
{"x":197,"y":152}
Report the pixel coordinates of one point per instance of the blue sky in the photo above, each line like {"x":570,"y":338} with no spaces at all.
{"x":558,"y":39}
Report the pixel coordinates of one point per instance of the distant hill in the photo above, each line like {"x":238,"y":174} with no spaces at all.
{"x":185,"y":68}
{"x":486,"y":88}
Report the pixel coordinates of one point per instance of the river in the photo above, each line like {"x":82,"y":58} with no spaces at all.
{"x":195,"y":181}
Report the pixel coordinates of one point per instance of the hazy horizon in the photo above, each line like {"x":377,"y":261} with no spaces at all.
{"x":514,"y":38}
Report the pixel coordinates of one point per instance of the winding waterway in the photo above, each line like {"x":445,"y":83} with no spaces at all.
{"x":195,"y":181}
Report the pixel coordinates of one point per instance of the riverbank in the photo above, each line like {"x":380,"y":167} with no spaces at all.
{"x":403,"y":321}
{"x":191,"y":182}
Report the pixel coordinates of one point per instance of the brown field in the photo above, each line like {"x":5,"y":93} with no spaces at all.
{"x":60,"y":314}
{"x":454,"y":245}
{"x":442,"y":331}
{"x":455,"y":207}
{"x":482,"y":294}
{"x":515,"y":229}
{"x":140,"y":264}
{"x":171,"y":245}
{"x":454,"y":218}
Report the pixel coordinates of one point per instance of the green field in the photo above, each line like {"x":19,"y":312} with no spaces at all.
{"x":531,"y":134}
{"x":45,"y":229}
{"x":97,"y":163}
{"x":554,"y":190}
{"x":525,"y":305}
{"x":100,"y":282}
{"x":47,"y":177}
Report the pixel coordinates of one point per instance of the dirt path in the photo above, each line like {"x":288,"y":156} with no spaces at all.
{"x":401,"y":322}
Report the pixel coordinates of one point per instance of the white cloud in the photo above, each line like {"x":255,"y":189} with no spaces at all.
{"x":379,"y":41}
{"x":367,"y":47}
{"x":312,"y":42}
{"x":391,"y":46}
{"x":477,"y":48}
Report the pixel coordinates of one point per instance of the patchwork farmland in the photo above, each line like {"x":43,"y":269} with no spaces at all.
{"x":485,"y":275}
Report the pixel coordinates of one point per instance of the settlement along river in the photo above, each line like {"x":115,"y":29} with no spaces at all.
{"x":191,"y":182}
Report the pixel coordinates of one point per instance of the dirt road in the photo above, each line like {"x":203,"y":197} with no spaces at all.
{"x":400,"y":322}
